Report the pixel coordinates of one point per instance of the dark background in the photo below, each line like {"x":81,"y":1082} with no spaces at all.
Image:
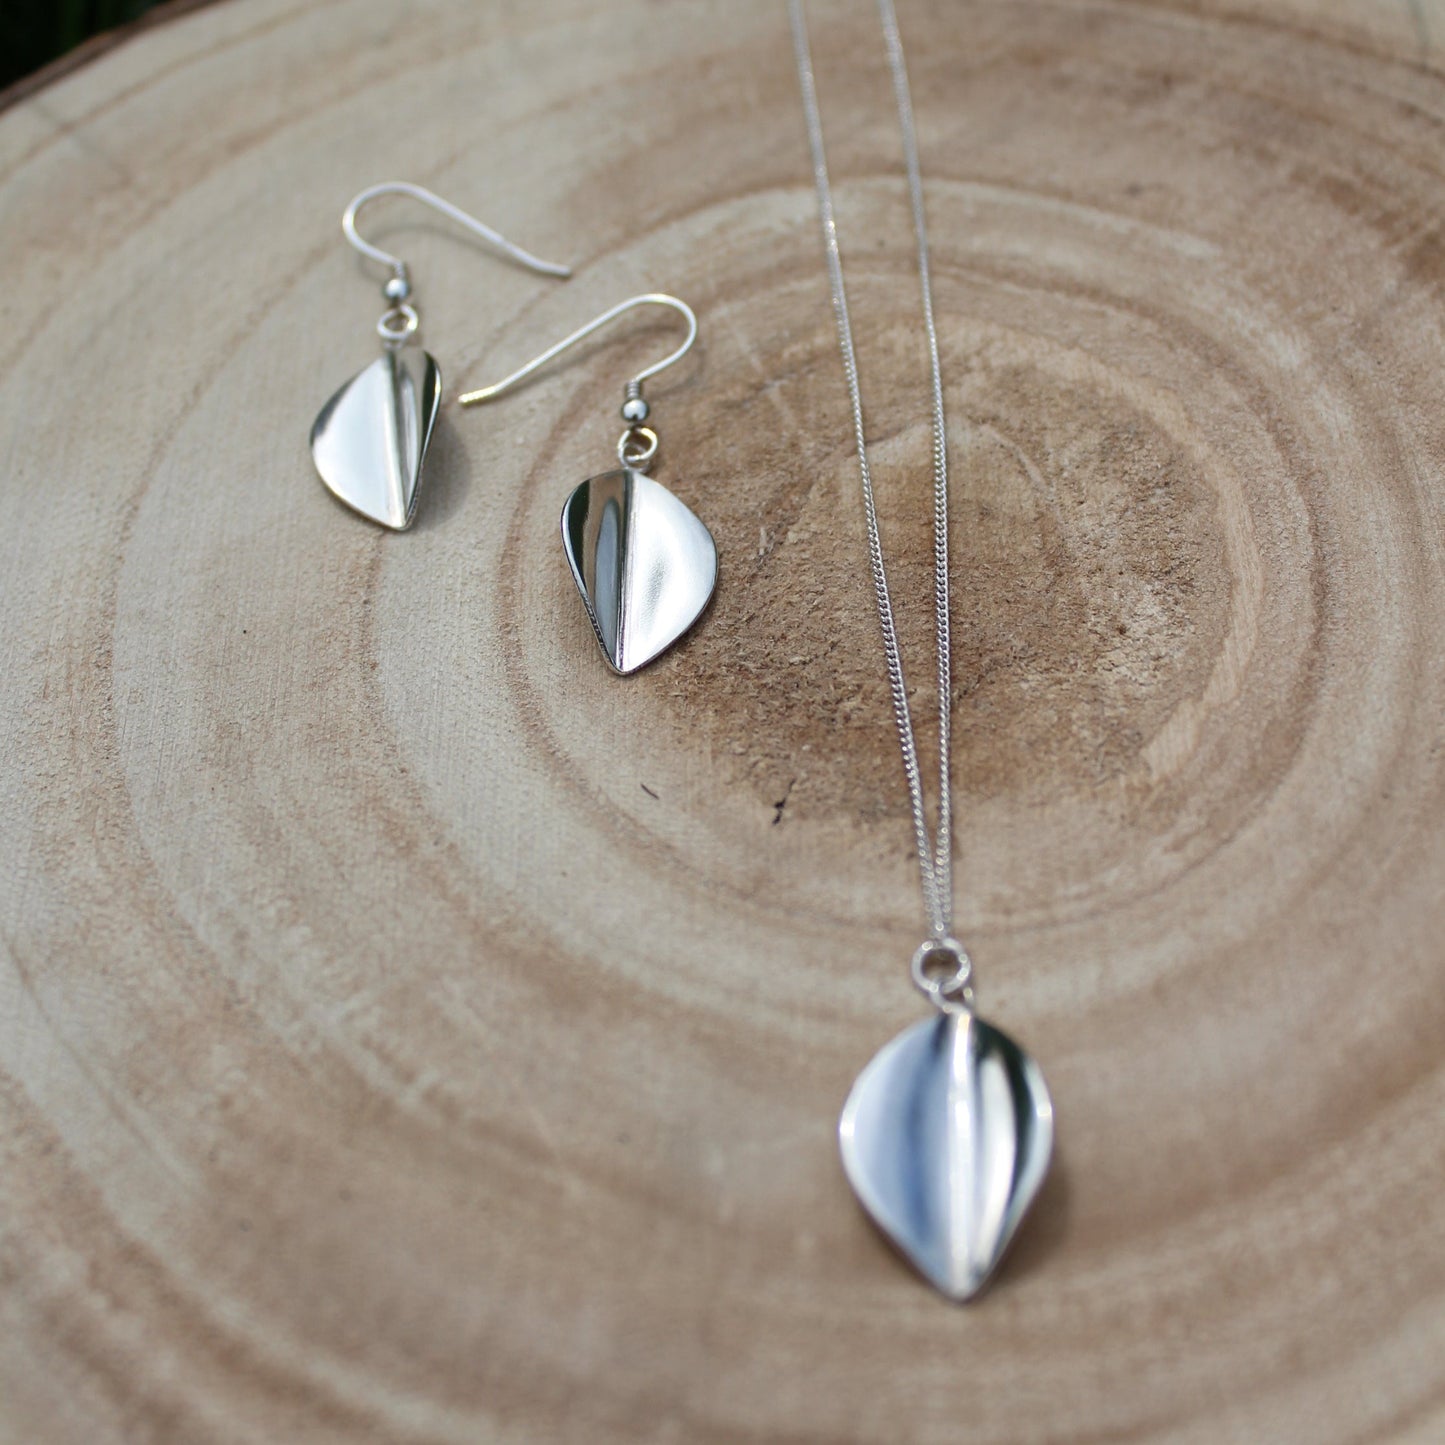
{"x":35,"y":32}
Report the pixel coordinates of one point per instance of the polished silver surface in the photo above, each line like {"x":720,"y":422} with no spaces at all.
{"x":455,"y":213}
{"x":634,"y":386}
{"x":946,"y":1140}
{"x":947,"y":1133}
{"x":643,"y":562}
{"x":370,"y":440}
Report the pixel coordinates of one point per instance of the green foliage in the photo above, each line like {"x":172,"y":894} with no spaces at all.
{"x":35,"y":32}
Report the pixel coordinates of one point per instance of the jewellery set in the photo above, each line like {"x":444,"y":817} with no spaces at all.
{"x":645,"y":565}
{"x":947,"y":1133}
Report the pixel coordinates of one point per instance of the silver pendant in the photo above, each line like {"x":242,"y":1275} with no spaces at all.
{"x":643,"y":562}
{"x":370,"y":439}
{"x":946,"y":1139}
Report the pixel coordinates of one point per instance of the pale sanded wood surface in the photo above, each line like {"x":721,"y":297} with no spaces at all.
{"x":411,"y":1033}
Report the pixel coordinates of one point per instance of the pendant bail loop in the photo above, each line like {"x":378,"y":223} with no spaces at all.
{"x":949,"y":992}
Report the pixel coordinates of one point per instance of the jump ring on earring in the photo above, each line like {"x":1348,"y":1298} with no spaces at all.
{"x":397,"y":324}
{"x":643,"y":447}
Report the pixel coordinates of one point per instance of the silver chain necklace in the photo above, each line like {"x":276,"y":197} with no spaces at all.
{"x":935,"y":857}
{"x":947,"y":1133}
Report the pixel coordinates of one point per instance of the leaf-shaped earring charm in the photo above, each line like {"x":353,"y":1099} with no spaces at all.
{"x":645,"y":565}
{"x":369,"y":442}
{"x":946,"y":1138}
{"x":370,"y":439}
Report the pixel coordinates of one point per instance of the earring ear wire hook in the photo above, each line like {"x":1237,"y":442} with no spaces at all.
{"x":634,"y":387}
{"x":455,"y":213}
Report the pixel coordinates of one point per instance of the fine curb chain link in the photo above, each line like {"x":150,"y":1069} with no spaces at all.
{"x":935,"y":854}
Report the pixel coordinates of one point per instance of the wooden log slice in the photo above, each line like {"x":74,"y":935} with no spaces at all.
{"x":410,"y":1032}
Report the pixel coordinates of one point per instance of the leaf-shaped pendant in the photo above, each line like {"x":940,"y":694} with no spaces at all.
{"x":946,"y":1140}
{"x":370,"y":439}
{"x":644,"y":564}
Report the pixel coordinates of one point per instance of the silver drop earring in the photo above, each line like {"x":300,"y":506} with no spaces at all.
{"x":370,"y":439}
{"x":645,"y":565}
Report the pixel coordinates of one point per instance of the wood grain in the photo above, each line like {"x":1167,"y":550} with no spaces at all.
{"x":411,"y":1033}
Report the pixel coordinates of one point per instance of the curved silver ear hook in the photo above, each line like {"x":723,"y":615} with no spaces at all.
{"x":638,"y":412}
{"x":455,"y":213}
